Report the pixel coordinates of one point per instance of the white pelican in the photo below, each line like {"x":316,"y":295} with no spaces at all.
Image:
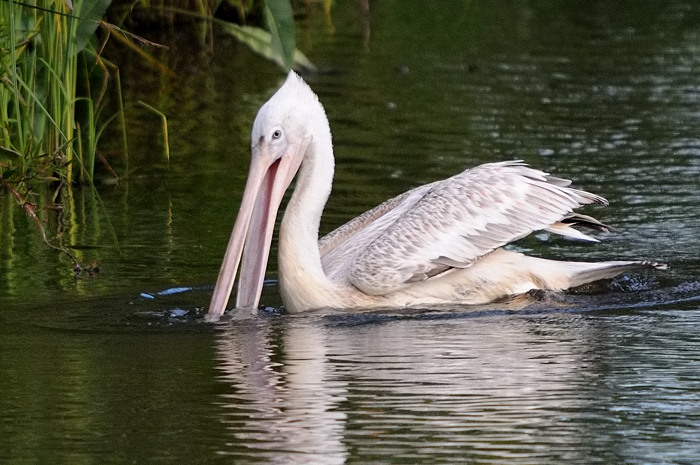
{"x":435,"y":244}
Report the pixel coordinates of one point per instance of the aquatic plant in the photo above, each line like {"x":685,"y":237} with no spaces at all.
{"x":278,"y":42}
{"x":241,"y":19}
{"x":48,"y":127}
{"x":54,"y":78}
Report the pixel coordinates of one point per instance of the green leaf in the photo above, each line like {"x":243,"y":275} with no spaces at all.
{"x":8,"y":153}
{"x":260,"y":42}
{"x":90,"y":13}
{"x":279,"y":18}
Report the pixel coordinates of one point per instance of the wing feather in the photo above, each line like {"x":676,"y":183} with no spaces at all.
{"x":339,"y":248}
{"x":453,"y":223}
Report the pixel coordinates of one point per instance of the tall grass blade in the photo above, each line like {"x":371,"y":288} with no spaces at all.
{"x":164,"y":119}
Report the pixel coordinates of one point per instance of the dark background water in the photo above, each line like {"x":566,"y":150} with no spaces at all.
{"x":109,"y":369}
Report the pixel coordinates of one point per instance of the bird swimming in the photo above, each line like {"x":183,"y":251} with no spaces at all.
{"x":440,"y":243}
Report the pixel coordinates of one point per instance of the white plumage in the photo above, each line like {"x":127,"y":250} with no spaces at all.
{"x":438,"y":243}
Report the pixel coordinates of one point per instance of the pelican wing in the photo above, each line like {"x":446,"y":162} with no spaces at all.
{"x":450,"y":224}
{"x":342,"y":246}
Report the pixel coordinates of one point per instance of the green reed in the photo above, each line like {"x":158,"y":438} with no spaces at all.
{"x":48,"y":130}
{"x":42,"y":45}
{"x":54,"y":79}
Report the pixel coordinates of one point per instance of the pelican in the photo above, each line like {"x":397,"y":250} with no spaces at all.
{"x":440,"y":243}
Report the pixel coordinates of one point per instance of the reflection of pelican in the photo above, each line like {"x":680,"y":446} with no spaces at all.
{"x":438,"y":243}
{"x":365,"y":389}
{"x":284,"y":404}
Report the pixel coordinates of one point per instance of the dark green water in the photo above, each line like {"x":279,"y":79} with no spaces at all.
{"x":109,"y":369}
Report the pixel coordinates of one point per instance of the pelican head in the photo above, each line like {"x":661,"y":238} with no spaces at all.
{"x":283,"y":133}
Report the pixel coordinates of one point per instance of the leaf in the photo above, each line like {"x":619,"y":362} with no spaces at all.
{"x":10,"y":153}
{"x":279,"y":18}
{"x":259,"y":41}
{"x":90,"y":13}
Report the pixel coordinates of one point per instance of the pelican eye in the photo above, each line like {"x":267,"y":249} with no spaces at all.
{"x":277,"y":134}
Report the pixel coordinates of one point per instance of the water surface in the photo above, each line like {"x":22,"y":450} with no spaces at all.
{"x":111,"y":369}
